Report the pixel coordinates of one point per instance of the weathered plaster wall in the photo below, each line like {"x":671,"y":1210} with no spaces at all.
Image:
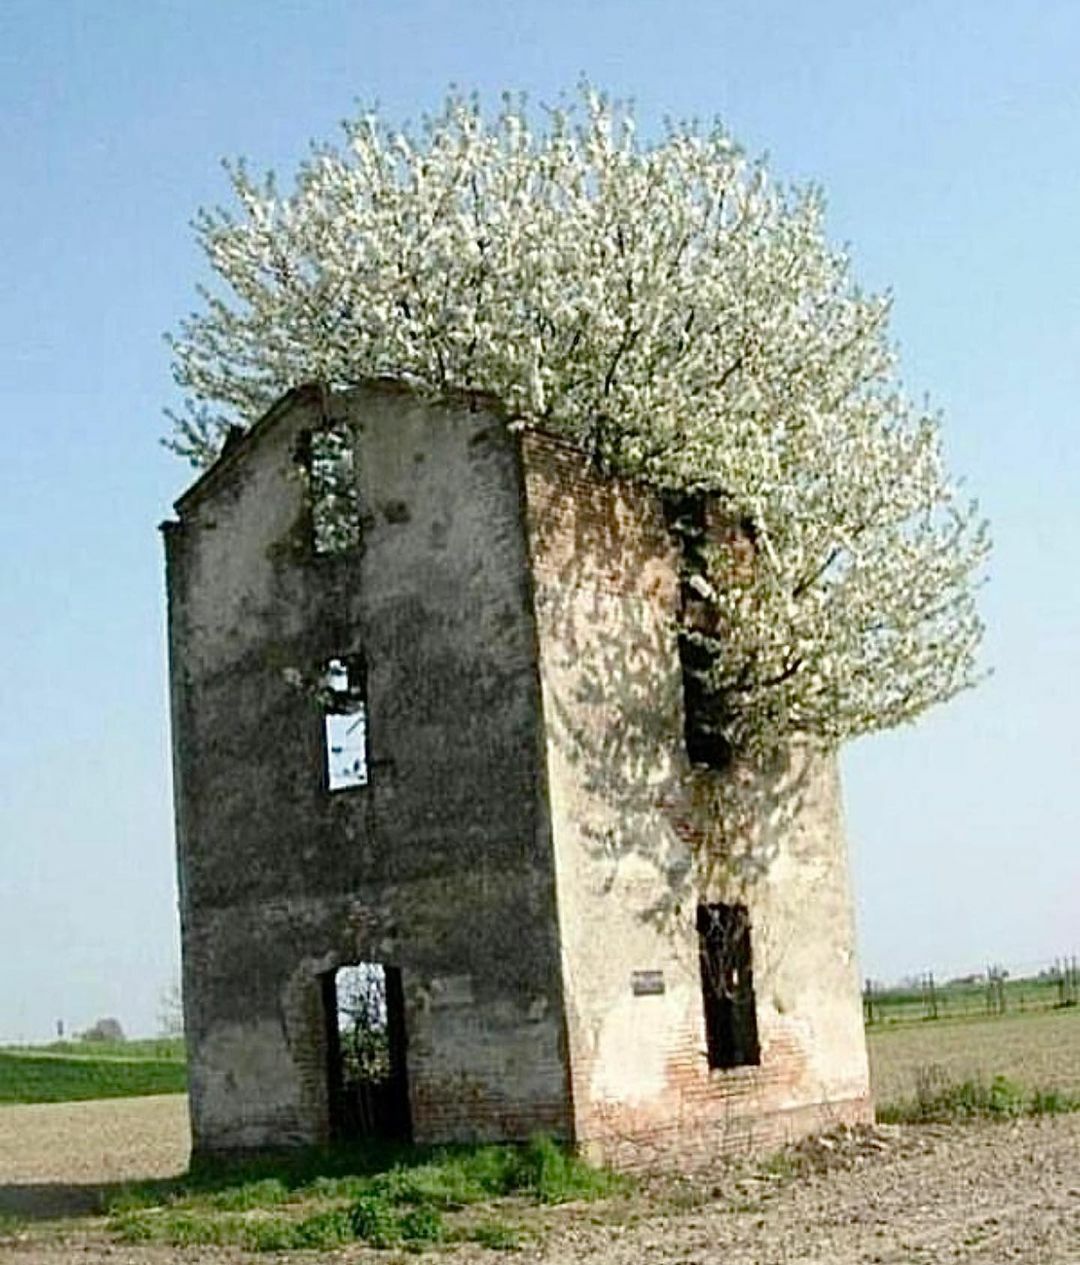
{"x":442,"y":864}
{"x":628,"y":817}
{"x":502,"y":593}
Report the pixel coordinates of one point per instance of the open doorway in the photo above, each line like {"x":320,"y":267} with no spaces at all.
{"x":368,"y":1089}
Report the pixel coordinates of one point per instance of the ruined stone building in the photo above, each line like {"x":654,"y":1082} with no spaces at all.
{"x":430,"y":720}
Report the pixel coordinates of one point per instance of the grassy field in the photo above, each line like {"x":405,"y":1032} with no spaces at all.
{"x":70,"y":1071}
{"x":1039,"y":1050}
{"x":170,"y":1049}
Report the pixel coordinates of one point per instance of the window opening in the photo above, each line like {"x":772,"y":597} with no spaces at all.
{"x":715,"y":550}
{"x":345,"y":722}
{"x":334,"y":495}
{"x":367,"y":1082}
{"x":704,"y":714}
{"x":727,"y":985}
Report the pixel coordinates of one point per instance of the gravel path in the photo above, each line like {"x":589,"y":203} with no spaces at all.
{"x":979,"y":1195}
{"x":976,"y":1194}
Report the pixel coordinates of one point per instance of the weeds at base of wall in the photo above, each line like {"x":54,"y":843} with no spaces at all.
{"x":939,"y":1099}
{"x":408,"y":1199}
{"x":423,"y":1198}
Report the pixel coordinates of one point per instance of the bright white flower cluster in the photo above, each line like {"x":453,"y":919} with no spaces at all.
{"x":669,"y":310}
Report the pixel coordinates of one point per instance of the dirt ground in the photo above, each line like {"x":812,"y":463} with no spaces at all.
{"x":983,"y":1195}
{"x":59,"y":1158}
{"x":1041,"y":1049}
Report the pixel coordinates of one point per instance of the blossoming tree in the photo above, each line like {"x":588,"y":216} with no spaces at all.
{"x":675,"y":314}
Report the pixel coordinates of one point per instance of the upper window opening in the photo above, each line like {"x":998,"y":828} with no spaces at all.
{"x":345,"y":723}
{"x":694,"y":523}
{"x":335,"y":503}
{"x":727,"y":985}
{"x":704,"y":712}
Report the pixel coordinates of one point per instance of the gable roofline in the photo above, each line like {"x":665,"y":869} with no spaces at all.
{"x":234,"y":451}
{"x":321,"y":395}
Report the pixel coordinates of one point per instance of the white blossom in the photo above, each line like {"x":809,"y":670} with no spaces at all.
{"x":669,"y":309}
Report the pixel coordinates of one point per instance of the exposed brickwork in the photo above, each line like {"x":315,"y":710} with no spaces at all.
{"x":624,"y":797}
{"x":605,"y":534}
{"x":675,"y":1143}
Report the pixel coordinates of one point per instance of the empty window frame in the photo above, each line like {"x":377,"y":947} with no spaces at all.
{"x":330,"y":461}
{"x":345,"y":722}
{"x":716,"y":550}
{"x":727,"y":985}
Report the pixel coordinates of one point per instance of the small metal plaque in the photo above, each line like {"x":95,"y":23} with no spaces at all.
{"x":647,"y":983}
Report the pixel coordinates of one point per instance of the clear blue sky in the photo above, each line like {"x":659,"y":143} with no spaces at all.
{"x":947,"y":137}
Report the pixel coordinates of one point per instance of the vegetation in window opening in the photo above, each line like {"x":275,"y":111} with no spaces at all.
{"x":332,"y":490}
{"x":672,"y":310}
{"x":362,"y":1014}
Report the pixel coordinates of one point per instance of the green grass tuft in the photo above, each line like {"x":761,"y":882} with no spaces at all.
{"x":322,"y":1231}
{"x":386,"y":1196}
{"x":497,"y":1235}
{"x":264,"y":1193}
{"x":374,"y":1221}
{"x":1052,"y":1102}
{"x":553,"y":1175}
{"x":939,"y":1100}
{"x":422,"y":1225}
{"x":10,"y":1225}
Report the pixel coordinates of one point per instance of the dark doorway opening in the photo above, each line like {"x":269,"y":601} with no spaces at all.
{"x":727,"y":985}
{"x":367,"y":1083}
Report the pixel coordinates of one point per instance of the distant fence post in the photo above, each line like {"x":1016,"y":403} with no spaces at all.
{"x":1068,"y":981}
{"x":995,"y":990}
{"x":930,"y":997}
{"x":868,"y":1002}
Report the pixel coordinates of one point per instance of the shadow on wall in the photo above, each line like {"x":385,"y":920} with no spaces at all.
{"x":608,"y":576}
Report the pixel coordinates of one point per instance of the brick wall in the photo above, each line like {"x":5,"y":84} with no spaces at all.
{"x":630,"y":819}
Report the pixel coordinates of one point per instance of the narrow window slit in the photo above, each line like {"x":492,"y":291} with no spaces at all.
{"x":329,"y":459}
{"x":704,"y":712}
{"x":345,"y":722}
{"x":727,"y":985}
